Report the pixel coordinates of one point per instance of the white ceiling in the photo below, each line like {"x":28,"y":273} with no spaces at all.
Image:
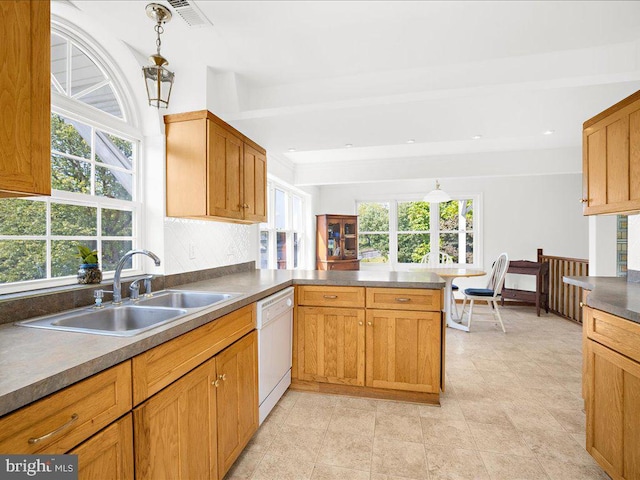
{"x":316,"y":75}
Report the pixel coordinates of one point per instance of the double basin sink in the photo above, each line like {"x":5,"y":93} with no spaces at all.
{"x":131,"y":318}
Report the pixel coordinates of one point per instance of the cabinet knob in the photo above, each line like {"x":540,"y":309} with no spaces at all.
{"x":223,"y":377}
{"x":581,"y":304}
{"x":360,"y":323}
{"x":216,"y":383}
{"x":583,"y":200}
{"x":370,"y":324}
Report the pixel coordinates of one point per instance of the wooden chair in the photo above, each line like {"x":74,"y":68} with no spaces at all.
{"x":435,"y":260}
{"x":491,"y":292}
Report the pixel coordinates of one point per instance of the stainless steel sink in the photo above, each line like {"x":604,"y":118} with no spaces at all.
{"x":122,"y":321}
{"x":185,"y":299}
{"x":131,"y":318}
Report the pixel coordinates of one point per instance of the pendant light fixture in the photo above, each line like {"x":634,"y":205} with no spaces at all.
{"x":437,"y":195}
{"x":158,"y":78}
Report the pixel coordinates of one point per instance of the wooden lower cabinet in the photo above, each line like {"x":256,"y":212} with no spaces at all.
{"x":107,"y":455}
{"x":331,"y":345}
{"x":613,"y":411}
{"x":196,"y":427}
{"x":237,"y":401}
{"x":176,"y":430}
{"x":403,"y":350}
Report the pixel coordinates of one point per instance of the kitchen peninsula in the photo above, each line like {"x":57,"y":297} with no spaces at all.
{"x":139,"y":375}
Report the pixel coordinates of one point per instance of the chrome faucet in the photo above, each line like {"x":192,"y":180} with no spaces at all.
{"x":117,"y":286}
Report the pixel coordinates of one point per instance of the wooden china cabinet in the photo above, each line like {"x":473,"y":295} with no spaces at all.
{"x":337,"y":242}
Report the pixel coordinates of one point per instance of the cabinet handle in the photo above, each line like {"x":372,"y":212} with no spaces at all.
{"x":71,"y":421}
{"x":216,"y":383}
{"x":403,"y":300}
{"x":370,"y":324}
{"x":330,"y":297}
{"x":223,"y":377}
{"x":584,"y":200}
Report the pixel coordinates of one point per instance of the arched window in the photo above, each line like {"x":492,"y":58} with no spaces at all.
{"x":94,"y":177}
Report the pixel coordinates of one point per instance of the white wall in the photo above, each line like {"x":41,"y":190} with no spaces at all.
{"x":519,"y":214}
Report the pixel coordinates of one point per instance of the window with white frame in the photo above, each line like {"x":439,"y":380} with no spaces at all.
{"x":402,"y":232}
{"x":93,"y":178}
{"x":282,"y":237}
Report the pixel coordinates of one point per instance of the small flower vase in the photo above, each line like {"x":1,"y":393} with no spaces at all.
{"x":89,"y":273}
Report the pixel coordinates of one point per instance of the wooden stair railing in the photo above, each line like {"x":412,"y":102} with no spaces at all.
{"x":564,"y":299}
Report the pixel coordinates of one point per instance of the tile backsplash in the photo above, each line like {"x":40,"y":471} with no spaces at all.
{"x":197,"y":244}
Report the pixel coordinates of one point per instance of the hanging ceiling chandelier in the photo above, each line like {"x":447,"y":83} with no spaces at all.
{"x":437,"y":195}
{"x":158,"y":78}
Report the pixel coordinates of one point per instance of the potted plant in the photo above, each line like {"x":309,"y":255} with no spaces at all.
{"x":89,"y":271}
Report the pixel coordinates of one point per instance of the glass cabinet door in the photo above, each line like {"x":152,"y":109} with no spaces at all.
{"x":334,"y":248}
{"x":350,"y":239}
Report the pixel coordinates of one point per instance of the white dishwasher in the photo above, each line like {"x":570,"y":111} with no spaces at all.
{"x":275,"y":336}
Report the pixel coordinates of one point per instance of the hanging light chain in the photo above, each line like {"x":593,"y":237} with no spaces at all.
{"x":159,"y":30}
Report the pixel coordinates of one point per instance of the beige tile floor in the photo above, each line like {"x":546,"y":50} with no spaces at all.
{"x":512,"y":410}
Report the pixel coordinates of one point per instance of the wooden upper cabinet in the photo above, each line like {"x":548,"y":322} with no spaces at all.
{"x":611,"y":159}
{"x":25,"y":165}
{"x":213,"y":171}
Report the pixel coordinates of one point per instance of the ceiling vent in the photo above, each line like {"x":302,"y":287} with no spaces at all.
{"x":190,"y":13}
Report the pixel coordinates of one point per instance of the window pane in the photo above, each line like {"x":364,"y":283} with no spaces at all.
{"x":73,"y":220}
{"x":413,"y":216}
{"x":468,"y":213}
{"x":449,"y":245}
{"x":70,"y":136}
{"x":264,"y":249}
{"x":281,"y":210}
{"x":84,"y":72}
{"x":113,"y":184}
{"x":281,"y":240}
{"x":449,"y":216}
{"x":59,"y":60}
{"x":114,"y":151}
{"x":103,"y":99}
{"x":22,"y":217}
{"x":469,"y":248}
{"x":112,"y":250}
{"x":373,"y":217}
{"x":22,"y":260}
{"x":412,"y":247}
{"x":117,"y":223}
{"x":297,"y":248}
{"x":298,"y":220}
{"x":70,"y":175}
{"x":63,"y":259}
{"x":374,"y":248}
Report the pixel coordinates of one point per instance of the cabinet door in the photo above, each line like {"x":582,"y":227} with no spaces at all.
{"x":611,"y":160}
{"x":25,"y":165}
{"x":237,"y":401}
{"x":255,"y":185}
{"x":613,"y":411}
{"x":109,"y":454}
{"x":403,"y":350}
{"x":334,"y":238}
{"x":175,"y":430}
{"x":225,"y":186}
{"x":331,"y":345}
{"x":350,"y":238}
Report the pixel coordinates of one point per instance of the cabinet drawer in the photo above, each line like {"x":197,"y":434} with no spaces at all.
{"x":616,"y":333}
{"x":327,"y":296}
{"x":404,"y":299}
{"x":62,"y":420}
{"x":156,"y":368}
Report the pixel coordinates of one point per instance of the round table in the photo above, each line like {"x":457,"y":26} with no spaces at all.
{"x":448,"y":274}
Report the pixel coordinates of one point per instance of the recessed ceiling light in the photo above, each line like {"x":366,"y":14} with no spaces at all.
{"x":291,"y":150}
{"x":548,"y":132}
{"x":411,"y":140}
{"x":348,"y":145}
{"x":477,"y":137}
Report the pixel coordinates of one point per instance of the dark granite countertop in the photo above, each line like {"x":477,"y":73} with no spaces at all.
{"x":611,"y":294}
{"x":35,"y":362}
